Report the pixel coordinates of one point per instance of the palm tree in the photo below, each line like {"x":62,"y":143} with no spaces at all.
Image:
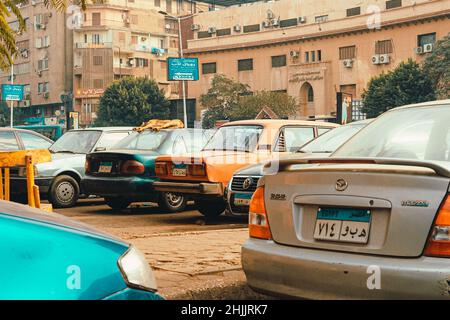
{"x":8,"y":34}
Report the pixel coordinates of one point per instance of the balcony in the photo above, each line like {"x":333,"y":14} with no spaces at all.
{"x":88,"y":45}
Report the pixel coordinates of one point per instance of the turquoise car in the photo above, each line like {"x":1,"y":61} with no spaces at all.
{"x":125,"y":173}
{"x":49,"y":257}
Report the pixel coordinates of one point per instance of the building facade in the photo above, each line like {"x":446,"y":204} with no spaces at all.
{"x":313,"y":49}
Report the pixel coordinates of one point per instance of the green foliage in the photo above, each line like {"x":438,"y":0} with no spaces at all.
{"x":230,"y":100}
{"x":437,"y":67}
{"x":406,"y":84}
{"x":5,"y":114}
{"x":131,"y":101}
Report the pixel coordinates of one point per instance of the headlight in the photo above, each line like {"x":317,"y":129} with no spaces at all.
{"x":23,"y":171}
{"x":136,"y":271}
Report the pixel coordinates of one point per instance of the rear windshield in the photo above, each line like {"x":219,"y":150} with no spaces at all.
{"x":420,"y":133}
{"x":235,"y":138}
{"x":146,"y":140}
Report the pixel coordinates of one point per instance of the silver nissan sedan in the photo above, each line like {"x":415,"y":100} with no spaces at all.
{"x":371,"y":222}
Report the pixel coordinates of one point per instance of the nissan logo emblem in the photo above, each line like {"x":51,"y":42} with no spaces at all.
{"x":341,"y":185}
{"x":247,"y":183}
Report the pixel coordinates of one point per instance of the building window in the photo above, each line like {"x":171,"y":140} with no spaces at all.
{"x":278,"y":61}
{"x":43,"y":87}
{"x":307,"y":56}
{"x":288,"y":23}
{"x":251,"y":28}
{"x":319,"y":55}
{"x":393,"y":4}
{"x":163,"y":64}
{"x":96,"y":18}
{"x":134,"y":39}
{"x":157,"y":3}
{"x":223,"y":32}
{"x":43,"y":64}
{"x":313,"y":56}
{"x":347,"y":52}
{"x":208,"y":68}
{"x":134,"y":18}
{"x":353,"y":12}
{"x":98,"y":83}
{"x":245,"y":64}
{"x":97,"y":60}
{"x":203,"y":34}
{"x":96,"y":39}
{"x":321,"y":19}
{"x":169,"y":6}
{"x":310,"y":94}
{"x":424,"y":39}
{"x":141,"y":62}
{"x":383,"y":47}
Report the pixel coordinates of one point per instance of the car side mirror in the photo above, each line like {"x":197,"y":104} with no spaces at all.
{"x":99,"y":149}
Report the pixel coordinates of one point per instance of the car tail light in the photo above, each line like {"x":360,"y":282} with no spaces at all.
{"x":197,"y":170}
{"x":258,"y":223}
{"x":87,"y":166}
{"x":439,"y":242}
{"x":161,"y":168}
{"x":132,"y":167}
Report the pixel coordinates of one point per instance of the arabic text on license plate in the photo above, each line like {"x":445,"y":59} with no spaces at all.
{"x":242,"y":199}
{"x":179,"y":171}
{"x":343,"y":225}
{"x":105,"y":167}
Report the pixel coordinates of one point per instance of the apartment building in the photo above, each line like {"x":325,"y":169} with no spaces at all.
{"x":313,"y":49}
{"x":119,"y":38}
{"x":43,"y":64}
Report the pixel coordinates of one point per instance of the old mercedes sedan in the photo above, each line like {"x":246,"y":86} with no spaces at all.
{"x":371,"y":222}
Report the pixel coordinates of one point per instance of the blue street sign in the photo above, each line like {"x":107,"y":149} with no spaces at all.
{"x":182,"y":69}
{"x":12,"y":92}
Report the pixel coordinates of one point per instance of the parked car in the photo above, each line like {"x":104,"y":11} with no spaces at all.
{"x":125,"y":173}
{"x":53,"y":132}
{"x":59,"y":180}
{"x":371,"y":221}
{"x":205,"y":175}
{"x":244,"y":181}
{"x":20,"y":139}
{"x":47,"y":256}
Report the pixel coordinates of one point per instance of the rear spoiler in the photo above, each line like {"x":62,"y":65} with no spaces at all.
{"x":285,"y":165}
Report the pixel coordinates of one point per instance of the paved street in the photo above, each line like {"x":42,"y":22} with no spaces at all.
{"x":192,"y":257}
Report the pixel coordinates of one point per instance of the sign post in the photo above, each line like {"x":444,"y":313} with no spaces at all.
{"x":12,"y":92}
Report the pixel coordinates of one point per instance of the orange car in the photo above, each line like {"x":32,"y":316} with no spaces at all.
{"x":204,"y":176}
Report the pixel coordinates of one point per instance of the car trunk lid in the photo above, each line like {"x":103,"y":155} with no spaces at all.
{"x":109,"y":163}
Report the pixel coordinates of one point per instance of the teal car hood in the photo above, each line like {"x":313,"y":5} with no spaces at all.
{"x":46,"y":256}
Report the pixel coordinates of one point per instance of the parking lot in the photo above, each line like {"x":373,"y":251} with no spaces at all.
{"x":193,"y":257}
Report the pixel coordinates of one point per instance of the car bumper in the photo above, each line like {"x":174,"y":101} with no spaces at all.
{"x":237,"y":210}
{"x":134,"y":294}
{"x":19,"y":184}
{"x":318,"y":274}
{"x":130,"y":187}
{"x":201,"y":188}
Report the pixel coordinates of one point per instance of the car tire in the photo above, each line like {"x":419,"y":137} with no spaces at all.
{"x":210,"y":208}
{"x":64,"y":192}
{"x":172,"y":202}
{"x":117,"y":203}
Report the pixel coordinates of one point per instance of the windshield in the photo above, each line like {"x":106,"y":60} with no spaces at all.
{"x":76,"y":141}
{"x":235,"y":138}
{"x":331,"y":140}
{"x":146,"y":140}
{"x":420,"y":133}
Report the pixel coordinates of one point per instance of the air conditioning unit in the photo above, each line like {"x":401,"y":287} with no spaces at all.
{"x":126,"y":20}
{"x":237,"y":28}
{"x":131,"y":62}
{"x":302,"y":19}
{"x":294,"y":53}
{"x":270,"y":14}
{"x":385,"y":58}
{"x":46,"y":95}
{"x":428,"y":48}
{"x":24,"y":53}
{"x":212,"y":30}
{"x":195,"y":27}
{"x":42,"y":26}
{"x":265,"y":24}
{"x":348,"y":63}
{"x":276,"y":22}
{"x":39,"y":73}
{"x":33,"y":3}
{"x":418,"y":50}
{"x":26,"y":103}
{"x":376,"y":59}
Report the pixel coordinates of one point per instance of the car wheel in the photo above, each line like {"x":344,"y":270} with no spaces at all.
{"x":172,"y":202}
{"x":210,"y":208}
{"x":117,"y":203}
{"x":64,"y":192}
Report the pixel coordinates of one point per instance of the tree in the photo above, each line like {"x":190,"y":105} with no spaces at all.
{"x":406,"y":84}
{"x":227,"y":99}
{"x":437,"y":67}
{"x":8,"y":35}
{"x":131,"y":101}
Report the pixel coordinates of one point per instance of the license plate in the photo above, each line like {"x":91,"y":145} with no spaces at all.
{"x":242,"y":199}
{"x":105,"y":167}
{"x":343,"y":225}
{"x":179,"y":171}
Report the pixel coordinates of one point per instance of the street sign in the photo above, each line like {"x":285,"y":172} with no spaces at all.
{"x":12,"y":92}
{"x":182,"y":69}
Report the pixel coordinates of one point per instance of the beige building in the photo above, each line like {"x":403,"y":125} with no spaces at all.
{"x":43,"y":64}
{"x":121,"y":38}
{"x":313,"y":49}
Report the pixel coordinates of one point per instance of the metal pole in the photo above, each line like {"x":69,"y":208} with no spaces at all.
{"x":12,"y":102}
{"x":183,"y":82}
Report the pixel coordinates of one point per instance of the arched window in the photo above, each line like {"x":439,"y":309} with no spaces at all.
{"x":310,"y":94}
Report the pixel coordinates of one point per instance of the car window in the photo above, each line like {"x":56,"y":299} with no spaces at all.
{"x":33,"y":141}
{"x":77,"y":141}
{"x":146,"y":140}
{"x":291,"y":139}
{"x":179,"y":146}
{"x":109,"y":139}
{"x":235,"y":138}
{"x":331,"y":140}
{"x":8,"y":141}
